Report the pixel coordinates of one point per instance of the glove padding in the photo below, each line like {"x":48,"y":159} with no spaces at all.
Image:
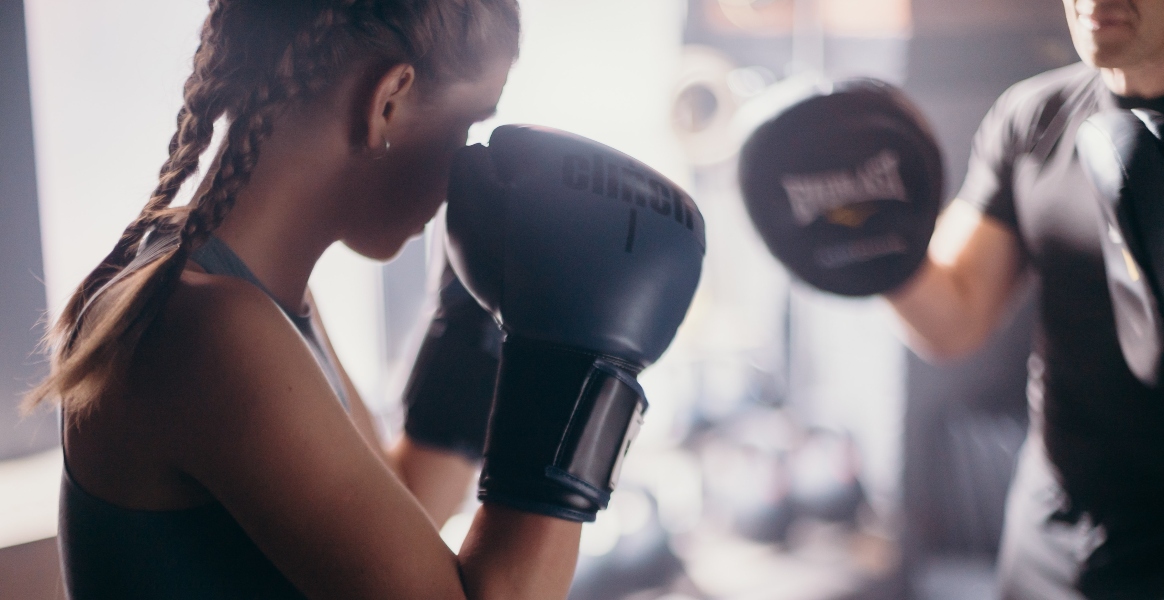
{"x":450,"y":389}
{"x":844,"y":184}
{"x":589,"y":260}
{"x":1122,"y":155}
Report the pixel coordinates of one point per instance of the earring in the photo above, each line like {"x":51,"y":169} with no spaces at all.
{"x":387,"y":145}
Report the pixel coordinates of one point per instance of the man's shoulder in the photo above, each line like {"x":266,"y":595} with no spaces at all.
{"x":1056,"y":81}
{"x":1054,"y":87}
{"x":1027,"y":110}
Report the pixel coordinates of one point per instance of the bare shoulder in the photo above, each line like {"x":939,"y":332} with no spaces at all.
{"x":216,"y":361}
{"x":253,"y":420}
{"x":206,"y":305}
{"x":220,"y":355}
{"x":216,"y":321}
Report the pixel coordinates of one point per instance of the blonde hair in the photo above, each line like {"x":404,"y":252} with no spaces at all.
{"x":255,"y":58}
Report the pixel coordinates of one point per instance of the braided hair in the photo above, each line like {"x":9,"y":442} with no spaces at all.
{"x":255,"y":59}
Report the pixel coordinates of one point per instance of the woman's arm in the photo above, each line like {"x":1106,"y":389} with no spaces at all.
{"x":501,"y":540}
{"x":438,"y":479}
{"x":963,"y":289}
{"x":251,"y":419}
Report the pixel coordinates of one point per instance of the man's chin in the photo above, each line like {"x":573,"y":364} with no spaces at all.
{"x":1109,"y":51}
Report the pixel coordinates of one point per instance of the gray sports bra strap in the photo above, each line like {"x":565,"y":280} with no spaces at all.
{"x":218,"y":259}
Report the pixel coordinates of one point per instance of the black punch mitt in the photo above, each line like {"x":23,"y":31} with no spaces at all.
{"x":844,"y":184}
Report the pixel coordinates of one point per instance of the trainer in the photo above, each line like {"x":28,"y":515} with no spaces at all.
{"x":1084,"y":517}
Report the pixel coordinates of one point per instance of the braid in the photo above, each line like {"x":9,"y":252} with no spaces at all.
{"x":237,"y":161}
{"x":195,"y":129}
{"x":253,"y":62}
{"x":302,"y":71}
{"x":201,"y":106}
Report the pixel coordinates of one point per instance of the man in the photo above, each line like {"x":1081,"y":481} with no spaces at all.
{"x":1085,"y":516}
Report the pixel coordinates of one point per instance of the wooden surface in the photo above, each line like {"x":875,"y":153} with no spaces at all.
{"x":31,"y":571}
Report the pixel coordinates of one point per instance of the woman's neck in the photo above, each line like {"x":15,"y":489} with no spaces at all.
{"x":281,"y":255}
{"x":286,"y":216}
{"x":281,"y":222}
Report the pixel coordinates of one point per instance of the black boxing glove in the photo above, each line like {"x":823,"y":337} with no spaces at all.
{"x":589,"y":260}
{"x":450,"y":388}
{"x":1122,"y":155}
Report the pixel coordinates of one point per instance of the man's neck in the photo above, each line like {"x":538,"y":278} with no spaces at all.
{"x":1141,"y":81}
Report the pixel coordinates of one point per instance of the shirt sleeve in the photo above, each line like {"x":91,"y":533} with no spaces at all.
{"x":989,"y":184}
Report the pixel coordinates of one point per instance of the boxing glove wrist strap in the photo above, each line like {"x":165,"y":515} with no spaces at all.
{"x":562,"y":422}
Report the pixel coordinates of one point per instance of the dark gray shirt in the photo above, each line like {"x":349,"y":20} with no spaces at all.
{"x":1104,"y":431}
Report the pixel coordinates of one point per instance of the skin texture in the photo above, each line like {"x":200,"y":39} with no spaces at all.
{"x":963,"y":290}
{"x":437,"y":479}
{"x":1125,"y":39}
{"x":225,"y":402}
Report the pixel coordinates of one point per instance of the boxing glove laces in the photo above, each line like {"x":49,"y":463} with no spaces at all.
{"x":589,"y":260}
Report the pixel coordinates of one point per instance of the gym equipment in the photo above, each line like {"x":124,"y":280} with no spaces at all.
{"x":844,"y":184}
{"x":589,"y":260}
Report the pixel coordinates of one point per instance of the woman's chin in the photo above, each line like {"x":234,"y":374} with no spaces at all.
{"x":378,"y":244}
{"x":382,"y":250}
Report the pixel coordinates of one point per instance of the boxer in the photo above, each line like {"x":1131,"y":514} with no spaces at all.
{"x":214,"y":446}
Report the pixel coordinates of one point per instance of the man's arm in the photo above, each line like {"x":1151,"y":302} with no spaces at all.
{"x":963,"y":289}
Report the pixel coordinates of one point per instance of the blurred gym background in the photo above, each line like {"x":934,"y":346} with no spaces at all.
{"x":794,"y":448}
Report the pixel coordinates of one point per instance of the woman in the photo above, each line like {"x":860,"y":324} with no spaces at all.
{"x":214,"y":446}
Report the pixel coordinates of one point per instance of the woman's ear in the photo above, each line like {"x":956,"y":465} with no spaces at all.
{"x":393,"y":87}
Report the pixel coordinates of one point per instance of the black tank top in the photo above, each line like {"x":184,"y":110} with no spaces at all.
{"x":112,"y":552}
